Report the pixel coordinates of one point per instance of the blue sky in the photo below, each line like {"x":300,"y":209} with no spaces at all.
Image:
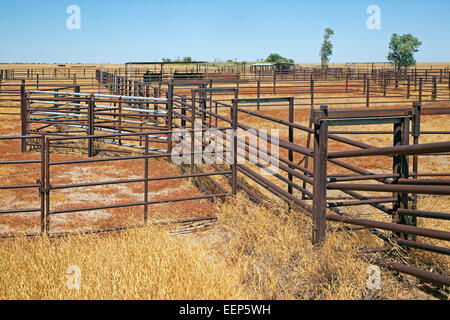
{"x":117,"y":31}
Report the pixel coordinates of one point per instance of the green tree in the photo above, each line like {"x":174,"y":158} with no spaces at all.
{"x":276,"y":58}
{"x":166,"y":60}
{"x":187,"y":59}
{"x":402,"y":49}
{"x":327,"y":48}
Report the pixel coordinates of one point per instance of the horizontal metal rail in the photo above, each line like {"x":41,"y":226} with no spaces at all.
{"x":399,"y":150}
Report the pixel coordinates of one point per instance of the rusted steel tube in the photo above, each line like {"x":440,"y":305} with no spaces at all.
{"x":307,"y":129}
{"x":96,"y":160}
{"x":214,"y":182}
{"x":437,"y":182}
{"x":361,"y":202}
{"x":19,"y":211}
{"x":287,"y":123}
{"x":282,"y":143}
{"x":362,"y":177}
{"x":20,"y":162}
{"x":24,"y":186}
{"x":430,"y":175}
{"x":419,"y":273}
{"x":267,"y":184}
{"x":400,"y":150}
{"x":423,"y":232}
{"x":352,"y":168}
{"x":359,"y":132}
{"x":375,"y":205}
{"x":423,"y":246}
{"x":136,"y":204}
{"x":420,"y":189}
{"x":93,"y":184}
{"x":424,"y":214}
{"x":219,"y":195}
{"x":19,"y":137}
{"x":123,"y":135}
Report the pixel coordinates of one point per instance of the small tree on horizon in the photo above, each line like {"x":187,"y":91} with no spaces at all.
{"x":327,"y":48}
{"x":402,"y":49}
{"x":276,"y":58}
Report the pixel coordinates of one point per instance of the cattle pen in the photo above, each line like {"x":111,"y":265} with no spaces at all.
{"x":326,"y":168}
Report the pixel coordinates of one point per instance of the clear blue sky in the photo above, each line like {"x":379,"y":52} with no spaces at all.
{"x":117,"y":31}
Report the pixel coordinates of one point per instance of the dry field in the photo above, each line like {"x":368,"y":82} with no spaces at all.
{"x":251,"y":252}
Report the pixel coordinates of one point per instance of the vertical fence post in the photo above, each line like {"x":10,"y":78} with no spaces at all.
{"x":156,"y":94}
{"x":146,"y":180}
{"x":23,"y":114}
{"x":42,"y":188}
{"x":76,"y":89}
{"x":193,"y":132}
{"x":401,"y":167}
{"x":47,"y":186}
{"x":311,"y":122}
{"x":420,"y":90}
{"x":274,"y":82}
{"x":416,"y":134}
{"x":202,"y":96}
{"x":169,"y":117}
{"x":183,"y":112}
{"x":320,"y":176}
{"x":449,"y":87}
{"x":234,"y":118}
{"x":408,"y":89}
{"x":211,"y":101}
{"x":435,"y":88}
{"x":396,"y":80}
{"x":91,"y":127}
{"x":258,"y":93}
{"x":346,"y":83}
{"x":365,"y":83}
{"x":120,"y":120}
{"x":415,"y":79}
{"x":368,"y":92}
{"x":291,"y":140}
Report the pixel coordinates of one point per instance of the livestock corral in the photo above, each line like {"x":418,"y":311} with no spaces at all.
{"x":352,"y":163}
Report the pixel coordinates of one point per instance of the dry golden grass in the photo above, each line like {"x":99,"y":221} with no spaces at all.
{"x":251,"y":254}
{"x":138,"y":264}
